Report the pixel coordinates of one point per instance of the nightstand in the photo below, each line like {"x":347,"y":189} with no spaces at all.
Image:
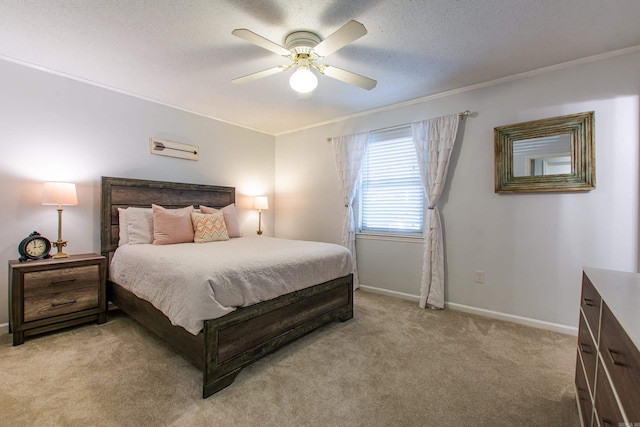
{"x":50,"y":294}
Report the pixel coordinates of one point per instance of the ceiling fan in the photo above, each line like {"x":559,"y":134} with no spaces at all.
{"x":303,"y":49}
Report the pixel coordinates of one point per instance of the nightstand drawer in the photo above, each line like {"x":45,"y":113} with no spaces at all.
{"x":48,"y":305}
{"x":54,"y":293}
{"x":61,"y":279}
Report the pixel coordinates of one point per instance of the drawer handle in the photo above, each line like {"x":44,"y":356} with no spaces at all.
{"x":589,"y":302}
{"x":586,"y":348}
{"x":56,"y":282}
{"x":613,"y":353}
{"x":607,"y":421}
{"x":58,"y":304}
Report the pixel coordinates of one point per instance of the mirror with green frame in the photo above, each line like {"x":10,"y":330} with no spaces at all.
{"x":554,"y":154}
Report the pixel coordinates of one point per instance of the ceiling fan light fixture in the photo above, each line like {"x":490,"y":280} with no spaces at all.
{"x":302,"y":48}
{"x":303,"y":80}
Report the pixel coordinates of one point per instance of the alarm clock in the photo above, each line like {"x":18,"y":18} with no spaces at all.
{"x":34,"y":246}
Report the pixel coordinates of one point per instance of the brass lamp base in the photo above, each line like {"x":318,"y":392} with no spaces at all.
{"x":259,"y":232}
{"x":60,"y":244}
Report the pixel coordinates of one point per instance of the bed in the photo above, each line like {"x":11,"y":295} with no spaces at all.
{"x":225,"y":344}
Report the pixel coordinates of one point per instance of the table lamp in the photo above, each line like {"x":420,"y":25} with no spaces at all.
{"x":260,"y":203}
{"x":59,"y":193}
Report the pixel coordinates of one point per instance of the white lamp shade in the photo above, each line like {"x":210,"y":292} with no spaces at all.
{"x":59,"y":193}
{"x":260,"y":203}
{"x":303,"y":80}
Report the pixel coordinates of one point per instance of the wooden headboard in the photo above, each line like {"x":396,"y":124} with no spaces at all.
{"x":125,"y":192}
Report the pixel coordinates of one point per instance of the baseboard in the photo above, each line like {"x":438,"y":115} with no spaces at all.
{"x":4,"y":325}
{"x":540,"y":324}
{"x":389,"y":293}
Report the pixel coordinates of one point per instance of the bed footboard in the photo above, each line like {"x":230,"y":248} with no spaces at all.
{"x":242,"y":337}
{"x":191,"y":346}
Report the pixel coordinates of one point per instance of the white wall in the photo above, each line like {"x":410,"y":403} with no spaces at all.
{"x":57,"y":129}
{"x":531,"y":247}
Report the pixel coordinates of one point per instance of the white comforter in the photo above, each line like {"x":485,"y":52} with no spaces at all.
{"x":192,"y":282}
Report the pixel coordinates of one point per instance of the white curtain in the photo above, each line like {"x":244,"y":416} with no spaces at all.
{"x":349,"y":154}
{"x":434,"y":140}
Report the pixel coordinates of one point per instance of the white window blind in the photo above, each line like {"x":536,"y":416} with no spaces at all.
{"x":391,"y":195}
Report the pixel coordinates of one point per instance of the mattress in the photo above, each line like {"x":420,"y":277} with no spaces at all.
{"x":193,"y":282}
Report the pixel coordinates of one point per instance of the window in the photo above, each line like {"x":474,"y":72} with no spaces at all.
{"x":391,"y":195}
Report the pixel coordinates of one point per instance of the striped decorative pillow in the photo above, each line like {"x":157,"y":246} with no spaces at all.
{"x":209,"y":227}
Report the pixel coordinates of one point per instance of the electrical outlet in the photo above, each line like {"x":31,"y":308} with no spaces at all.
{"x":479,"y":276}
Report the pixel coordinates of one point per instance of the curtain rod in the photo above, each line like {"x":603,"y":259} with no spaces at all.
{"x":463,"y":114}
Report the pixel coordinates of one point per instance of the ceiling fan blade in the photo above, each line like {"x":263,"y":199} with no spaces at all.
{"x":260,"y":74}
{"x":254,"y":38}
{"x":349,"y":77}
{"x":349,"y":32}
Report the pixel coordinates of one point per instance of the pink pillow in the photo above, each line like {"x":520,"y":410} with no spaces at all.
{"x":172,"y":225}
{"x":230,"y":218}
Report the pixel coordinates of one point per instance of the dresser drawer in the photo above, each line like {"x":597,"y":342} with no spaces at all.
{"x":49,"y":305}
{"x":583,"y":395}
{"x":609,"y":414}
{"x":61,"y":279}
{"x":588,"y":350}
{"x":623,"y":362}
{"x":590,"y":302}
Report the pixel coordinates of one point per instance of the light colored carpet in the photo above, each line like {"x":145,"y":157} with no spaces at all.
{"x":393,"y":364}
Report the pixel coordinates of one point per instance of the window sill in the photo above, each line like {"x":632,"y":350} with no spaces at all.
{"x":390,"y":237}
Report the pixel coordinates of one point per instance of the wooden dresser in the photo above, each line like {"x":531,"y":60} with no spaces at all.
{"x":608,"y":360}
{"x":50,"y":294}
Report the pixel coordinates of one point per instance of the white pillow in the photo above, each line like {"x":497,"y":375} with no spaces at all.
{"x":123,"y":226}
{"x":230,"y":218}
{"x":140,"y":225}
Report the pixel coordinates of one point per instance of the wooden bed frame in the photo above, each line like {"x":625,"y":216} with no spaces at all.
{"x":231,"y":342}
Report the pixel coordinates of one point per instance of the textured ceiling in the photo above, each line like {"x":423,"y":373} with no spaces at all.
{"x":182,"y":53}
